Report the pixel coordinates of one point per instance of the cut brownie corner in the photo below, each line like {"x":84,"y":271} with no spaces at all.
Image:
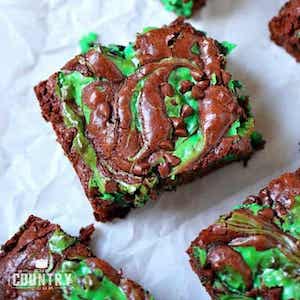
{"x":254,"y":251}
{"x":137,"y":119}
{"x":41,"y":261}
{"x":285,"y":28}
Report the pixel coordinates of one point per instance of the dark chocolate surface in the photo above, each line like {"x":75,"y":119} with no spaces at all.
{"x":254,"y":252}
{"x":41,"y":241}
{"x":134,"y":120}
{"x":285,"y":28}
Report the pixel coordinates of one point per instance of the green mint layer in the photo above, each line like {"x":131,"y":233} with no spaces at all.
{"x":77,"y":280}
{"x":87,"y":283}
{"x":213,"y":79}
{"x":253,"y":207}
{"x":186,"y":148}
{"x":227,"y":47}
{"x":232,"y":279}
{"x":60,"y":241}
{"x":180,"y":7}
{"x":88,"y":42}
{"x":271,"y":268}
{"x":291,"y":222}
{"x":200,"y":254}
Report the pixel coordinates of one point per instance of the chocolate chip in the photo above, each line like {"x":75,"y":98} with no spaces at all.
{"x":186,"y":111}
{"x":172,"y":159}
{"x":166,"y":145}
{"x":164,"y":170}
{"x":141,"y":168}
{"x":177,"y":123}
{"x":185,"y":86}
{"x":166,"y":90}
{"x":197,"y":75}
{"x":197,"y":93}
{"x":181,"y":132}
{"x":203,"y":85}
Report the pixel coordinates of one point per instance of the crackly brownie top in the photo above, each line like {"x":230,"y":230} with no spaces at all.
{"x":183,"y":7}
{"x":254,"y":252}
{"x":60,"y":266}
{"x":152,"y":110}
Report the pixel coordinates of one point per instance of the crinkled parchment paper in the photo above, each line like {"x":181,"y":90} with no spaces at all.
{"x":39,"y":36}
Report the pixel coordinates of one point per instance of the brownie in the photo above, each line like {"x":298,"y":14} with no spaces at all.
{"x":150,"y":116}
{"x":68,"y":267}
{"x":285,"y":28}
{"x":183,"y":8}
{"x":254,"y":251}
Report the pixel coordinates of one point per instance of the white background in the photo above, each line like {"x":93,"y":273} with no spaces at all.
{"x":38,"y":37}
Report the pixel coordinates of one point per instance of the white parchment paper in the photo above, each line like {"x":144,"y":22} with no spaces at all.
{"x":39,"y":36}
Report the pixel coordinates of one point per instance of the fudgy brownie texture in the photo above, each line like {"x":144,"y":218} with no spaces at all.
{"x":183,"y":8}
{"x":72,"y":272}
{"x":285,"y":28}
{"x":138,"y":119}
{"x":254,"y":252}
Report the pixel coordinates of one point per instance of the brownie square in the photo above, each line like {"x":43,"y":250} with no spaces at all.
{"x":254,"y":251}
{"x":183,"y":8}
{"x":60,"y":267}
{"x":150,"y":116}
{"x":285,"y":28}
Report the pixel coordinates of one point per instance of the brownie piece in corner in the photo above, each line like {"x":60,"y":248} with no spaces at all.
{"x":285,"y":28}
{"x":254,"y":252}
{"x":42,"y":262}
{"x":184,"y":8}
{"x":150,"y":116}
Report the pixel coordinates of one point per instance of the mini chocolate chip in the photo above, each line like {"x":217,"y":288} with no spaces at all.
{"x":141,"y":169}
{"x":186,"y":111}
{"x":185,"y":86}
{"x":197,"y":93}
{"x":197,"y":75}
{"x":172,"y":159}
{"x":111,"y":186}
{"x":178,"y":123}
{"x":203,"y":85}
{"x":166,"y":90}
{"x":181,"y":132}
{"x":166,"y":145}
{"x":164,"y":170}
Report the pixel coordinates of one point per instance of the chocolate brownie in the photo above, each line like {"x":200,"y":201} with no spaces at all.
{"x":41,"y":262}
{"x":254,"y":252}
{"x":183,"y":8}
{"x":138,"y":119}
{"x":285,"y":28}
